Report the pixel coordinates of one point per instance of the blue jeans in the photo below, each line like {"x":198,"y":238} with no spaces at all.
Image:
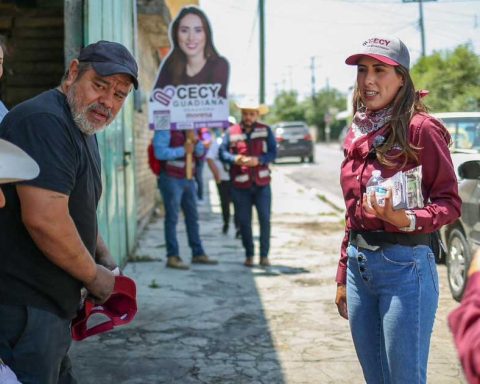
{"x":392,"y":297}
{"x":199,"y":177}
{"x":34,"y":343}
{"x":178,"y":193}
{"x":244,"y":200}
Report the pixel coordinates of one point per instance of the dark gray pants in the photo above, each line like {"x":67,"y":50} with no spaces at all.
{"x":34,"y":343}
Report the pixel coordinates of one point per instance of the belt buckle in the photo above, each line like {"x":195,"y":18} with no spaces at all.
{"x":362,"y":243}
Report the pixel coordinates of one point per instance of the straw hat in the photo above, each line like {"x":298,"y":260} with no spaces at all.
{"x":15,"y":164}
{"x":253,"y":105}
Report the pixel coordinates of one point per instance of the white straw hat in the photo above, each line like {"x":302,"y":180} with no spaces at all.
{"x":253,"y":105}
{"x":15,"y":164}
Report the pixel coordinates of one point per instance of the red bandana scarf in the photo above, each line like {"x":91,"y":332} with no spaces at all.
{"x":365,"y":121}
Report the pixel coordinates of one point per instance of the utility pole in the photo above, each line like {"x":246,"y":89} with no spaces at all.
{"x":421,"y":26}
{"x":312,"y":68}
{"x":261,"y":14}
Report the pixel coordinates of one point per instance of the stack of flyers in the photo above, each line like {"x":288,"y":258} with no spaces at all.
{"x":406,"y":189}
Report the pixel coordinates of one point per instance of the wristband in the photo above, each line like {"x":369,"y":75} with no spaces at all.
{"x":413,"y":222}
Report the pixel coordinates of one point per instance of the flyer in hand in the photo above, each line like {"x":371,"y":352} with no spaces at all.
{"x":406,"y":189}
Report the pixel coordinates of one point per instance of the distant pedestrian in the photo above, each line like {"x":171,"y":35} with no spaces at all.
{"x":222,"y":180}
{"x":249,"y":148}
{"x":50,"y":246}
{"x":387,"y":278}
{"x":171,"y":148}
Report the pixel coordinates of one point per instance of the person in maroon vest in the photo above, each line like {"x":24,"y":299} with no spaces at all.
{"x":249,"y":147}
{"x":465,"y":324}
{"x":171,"y":148}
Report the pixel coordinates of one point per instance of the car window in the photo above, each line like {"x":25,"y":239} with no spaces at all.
{"x":465,"y":132}
{"x":291,"y":130}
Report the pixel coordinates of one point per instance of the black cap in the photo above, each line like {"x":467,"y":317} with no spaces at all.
{"x":109,"y":58}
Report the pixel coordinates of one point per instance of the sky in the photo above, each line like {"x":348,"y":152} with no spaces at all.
{"x":327,"y":31}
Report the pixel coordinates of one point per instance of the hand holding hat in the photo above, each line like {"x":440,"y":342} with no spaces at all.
{"x":120,"y":309}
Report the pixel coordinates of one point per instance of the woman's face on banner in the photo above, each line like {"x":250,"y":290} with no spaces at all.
{"x":191,"y":36}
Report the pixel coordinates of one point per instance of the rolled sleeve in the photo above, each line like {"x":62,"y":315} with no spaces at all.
{"x":162,"y":149}
{"x":51,"y":147}
{"x":224,"y":153}
{"x":271,"y":154}
{"x":441,"y":187}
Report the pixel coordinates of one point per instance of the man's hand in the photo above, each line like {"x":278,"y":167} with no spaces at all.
{"x":386,"y":213}
{"x":240,"y":159}
{"x":102,"y":285}
{"x":341,"y":300}
{"x":252,"y":161}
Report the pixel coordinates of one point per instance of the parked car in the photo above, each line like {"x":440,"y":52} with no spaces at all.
{"x":462,"y":237}
{"x":294,"y":140}
{"x":464,"y":127}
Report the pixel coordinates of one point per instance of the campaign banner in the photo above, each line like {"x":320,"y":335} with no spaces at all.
{"x":190,"y":90}
{"x":188,"y":107}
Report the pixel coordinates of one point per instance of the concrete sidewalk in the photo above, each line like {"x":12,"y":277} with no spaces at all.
{"x":230,"y":324}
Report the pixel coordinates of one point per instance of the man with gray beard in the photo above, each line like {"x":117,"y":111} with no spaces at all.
{"x":49,"y":242}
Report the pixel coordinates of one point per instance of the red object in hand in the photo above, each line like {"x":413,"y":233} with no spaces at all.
{"x":120,"y":309}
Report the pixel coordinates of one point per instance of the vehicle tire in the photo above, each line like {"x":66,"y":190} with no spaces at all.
{"x":311,"y":159}
{"x":458,"y":261}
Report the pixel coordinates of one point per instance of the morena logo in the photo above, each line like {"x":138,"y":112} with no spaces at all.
{"x":377,"y":41}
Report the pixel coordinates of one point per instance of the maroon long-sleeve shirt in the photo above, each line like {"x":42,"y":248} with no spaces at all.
{"x":439,"y":183}
{"x":465,"y":326}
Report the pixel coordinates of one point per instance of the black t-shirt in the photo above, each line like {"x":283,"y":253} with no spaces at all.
{"x":70,"y":164}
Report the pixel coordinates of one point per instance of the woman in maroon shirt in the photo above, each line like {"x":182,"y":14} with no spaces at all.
{"x":387,"y":279}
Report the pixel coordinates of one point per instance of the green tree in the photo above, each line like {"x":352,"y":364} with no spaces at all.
{"x":327,"y":101}
{"x":452,"y":78}
{"x":286,"y":107}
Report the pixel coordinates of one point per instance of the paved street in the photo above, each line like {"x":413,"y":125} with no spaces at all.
{"x":230,"y":324}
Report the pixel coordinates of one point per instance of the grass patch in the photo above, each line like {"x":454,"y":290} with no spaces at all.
{"x":326,"y":201}
{"x":143,"y":258}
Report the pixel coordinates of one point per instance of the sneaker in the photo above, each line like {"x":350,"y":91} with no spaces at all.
{"x":238,"y":235}
{"x":248,"y":262}
{"x":203,"y":259}
{"x":176,"y":263}
{"x":264,"y":262}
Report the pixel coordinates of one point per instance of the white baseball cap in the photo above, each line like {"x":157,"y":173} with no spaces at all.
{"x":385,"y":48}
{"x":15,"y":164}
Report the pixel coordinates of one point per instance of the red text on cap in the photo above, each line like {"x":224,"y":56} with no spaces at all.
{"x":376,"y":40}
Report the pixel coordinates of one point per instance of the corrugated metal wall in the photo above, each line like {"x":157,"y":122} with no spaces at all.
{"x":114,"y":20}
